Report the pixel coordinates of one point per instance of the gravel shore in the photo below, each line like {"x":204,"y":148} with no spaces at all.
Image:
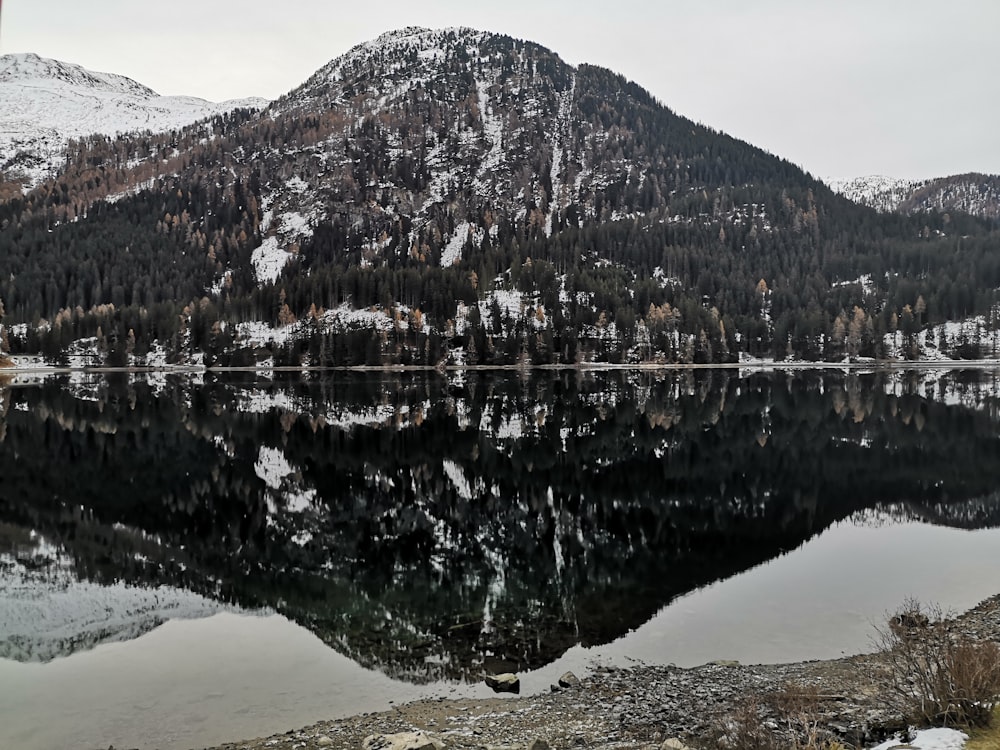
{"x":643,"y":707}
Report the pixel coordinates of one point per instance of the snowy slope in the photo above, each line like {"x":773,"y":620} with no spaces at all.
{"x":973,"y":193}
{"x":43,"y":103}
{"x":884,"y":194}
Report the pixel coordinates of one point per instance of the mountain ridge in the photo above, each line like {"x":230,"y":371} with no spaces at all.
{"x":29,"y":66}
{"x":974,"y":193}
{"x":463,"y":197}
{"x":49,"y":102}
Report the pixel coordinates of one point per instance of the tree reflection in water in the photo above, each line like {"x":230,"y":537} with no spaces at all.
{"x":434,"y":526}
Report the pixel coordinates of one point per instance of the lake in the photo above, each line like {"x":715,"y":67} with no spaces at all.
{"x":186,"y":560}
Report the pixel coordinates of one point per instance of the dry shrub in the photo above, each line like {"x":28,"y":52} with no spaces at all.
{"x":799,"y":706}
{"x":745,"y":728}
{"x":944,"y":677}
{"x":795,"y":699}
{"x":785,"y":720}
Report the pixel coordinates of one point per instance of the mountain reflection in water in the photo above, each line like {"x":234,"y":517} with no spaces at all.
{"x":432,"y":527}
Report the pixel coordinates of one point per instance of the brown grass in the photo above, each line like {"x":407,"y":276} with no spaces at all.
{"x":945,"y":678}
{"x":986,"y":738}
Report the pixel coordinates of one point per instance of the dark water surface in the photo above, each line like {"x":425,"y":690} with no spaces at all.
{"x":321,"y":546}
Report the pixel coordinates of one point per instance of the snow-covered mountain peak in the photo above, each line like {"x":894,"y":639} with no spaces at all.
{"x":44,"y":103}
{"x":29,"y":67}
{"x":413,"y":38}
{"x":414,"y":53}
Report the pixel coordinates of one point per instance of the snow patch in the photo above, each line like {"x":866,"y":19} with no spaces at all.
{"x":452,"y":252}
{"x":269,"y":260}
{"x":884,"y":194}
{"x":928,"y":739}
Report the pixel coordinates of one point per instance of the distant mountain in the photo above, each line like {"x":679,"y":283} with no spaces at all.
{"x":885,"y":194}
{"x":44,"y":103}
{"x":973,"y":193}
{"x":454,"y":196}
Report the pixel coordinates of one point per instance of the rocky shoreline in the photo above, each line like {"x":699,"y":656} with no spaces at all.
{"x":850,"y":700}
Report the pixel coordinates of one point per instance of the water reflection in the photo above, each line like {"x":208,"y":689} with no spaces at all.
{"x":431,"y":527}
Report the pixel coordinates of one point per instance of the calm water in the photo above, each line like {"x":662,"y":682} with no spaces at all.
{"x":184,"y":563}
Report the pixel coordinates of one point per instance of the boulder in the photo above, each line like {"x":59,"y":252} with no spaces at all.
{"x":504,"y":683}
{"x":401,"y":741}
{"x":569,"y":680}
{"x":673,"y":744}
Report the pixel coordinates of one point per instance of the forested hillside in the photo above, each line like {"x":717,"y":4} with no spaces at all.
{"x":455,"y":196}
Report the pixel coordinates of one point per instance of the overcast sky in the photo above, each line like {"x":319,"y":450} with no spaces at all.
{"x":906,"y":88}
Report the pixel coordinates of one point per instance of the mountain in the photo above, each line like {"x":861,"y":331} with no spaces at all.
{"x":454,"y":196}
{"x":44,"y":103}
{"x":885,"y":194}
{"x":973,"y":193}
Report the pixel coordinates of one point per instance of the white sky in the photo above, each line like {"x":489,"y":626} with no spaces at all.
{"x":906,"y":88}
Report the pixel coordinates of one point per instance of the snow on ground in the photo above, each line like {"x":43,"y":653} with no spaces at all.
{"x":268,"y":260}
{"x":221,"y":283}
{"x":561,"y":127}
{"x":928,"y":739}
{"x":452,"y":252}
{"x":511,"y":303}
{"x":493,"y":134}
{"x":939,"y":343}
{"x":134,"y":190}
{"x":295,"y":224}
{"x":865,"y":282}
{"x":290,"y":212}
{"x":346,"y":316}
{"x":663,"y":280}
{"x":881,"y":193}
{"x":257,"y":333}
